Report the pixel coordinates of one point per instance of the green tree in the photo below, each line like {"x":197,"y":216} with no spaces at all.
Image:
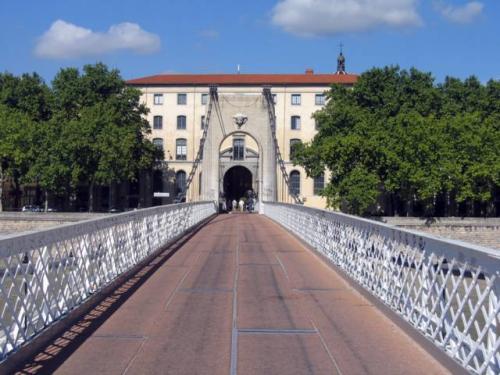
{"x":13,"y":144}
{"x":397,"y":134}
{"x":26,"y":103}
{"x":27,"y":94}
{"x":89,"y":129}
{"x":102,"y":126}
{"x":48,"y":166}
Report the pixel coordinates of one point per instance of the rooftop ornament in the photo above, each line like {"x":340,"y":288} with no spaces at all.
{"x":341,"y":62}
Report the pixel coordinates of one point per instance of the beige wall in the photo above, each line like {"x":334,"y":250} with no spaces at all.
{"x":194,"y":109}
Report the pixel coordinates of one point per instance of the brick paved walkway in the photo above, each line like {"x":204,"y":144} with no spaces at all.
{"x":244,"y":296}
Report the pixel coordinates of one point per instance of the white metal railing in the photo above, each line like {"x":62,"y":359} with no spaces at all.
{"x":448,"y":290}
{"x":46,"y":274}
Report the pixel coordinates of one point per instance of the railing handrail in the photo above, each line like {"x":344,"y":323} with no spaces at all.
{"x":443,"y":245}
{"x":46,"y":274}
{"x":15,"y":243}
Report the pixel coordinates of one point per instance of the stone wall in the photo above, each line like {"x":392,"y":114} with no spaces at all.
{"x":18,"y":222}
{"x":480,"y":231}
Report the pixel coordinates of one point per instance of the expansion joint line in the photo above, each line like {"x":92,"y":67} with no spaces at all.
{"x":234,"y":331}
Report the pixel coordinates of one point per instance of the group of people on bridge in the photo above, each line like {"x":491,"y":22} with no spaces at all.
{"x":246,"y":203}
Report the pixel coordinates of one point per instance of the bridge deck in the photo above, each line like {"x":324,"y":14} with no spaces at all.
{"x":244,"y":296}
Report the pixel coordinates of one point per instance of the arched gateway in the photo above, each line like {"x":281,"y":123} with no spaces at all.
{"x":239,"y":138}
{"x":237,"y":183}
{"x":239,"y":166}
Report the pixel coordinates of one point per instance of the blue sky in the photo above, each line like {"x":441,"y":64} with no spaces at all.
{"x":446,"y":37}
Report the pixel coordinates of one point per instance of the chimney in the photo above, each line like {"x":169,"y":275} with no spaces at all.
{"x":309,"y":71}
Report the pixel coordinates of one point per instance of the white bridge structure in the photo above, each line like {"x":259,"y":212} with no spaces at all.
{"x":446,"y":291}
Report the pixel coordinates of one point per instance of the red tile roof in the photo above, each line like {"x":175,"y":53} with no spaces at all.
{"x":244,"y":79}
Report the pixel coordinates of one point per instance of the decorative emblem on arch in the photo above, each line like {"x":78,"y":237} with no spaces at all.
{"x":240,"y":119}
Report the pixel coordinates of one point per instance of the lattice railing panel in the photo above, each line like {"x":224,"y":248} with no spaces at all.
{"x":448,"y":290}
{"x":46,"y":274}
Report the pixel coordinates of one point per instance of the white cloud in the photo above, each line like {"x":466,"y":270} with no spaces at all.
{"x":327,"y":17}
{"x":460,"y":14}
{"x":64,"y":40}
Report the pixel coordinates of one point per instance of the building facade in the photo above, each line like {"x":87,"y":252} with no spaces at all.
{"x":239,"y":153}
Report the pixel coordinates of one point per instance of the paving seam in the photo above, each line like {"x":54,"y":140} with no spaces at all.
{"x":234,"y":332}
{"x":277,"y":331}
{"x":131,"y":337}
{"x":323,"y":342}
{"x":139,"y":350}
{"x":282,"y":266}
{"x":205,"y":290}
{"x":308,"y":290}
{"x":259,"y":264}
{"x":179,"y":283}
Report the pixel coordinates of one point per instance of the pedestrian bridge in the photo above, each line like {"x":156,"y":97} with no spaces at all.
{"x":180,"y":290}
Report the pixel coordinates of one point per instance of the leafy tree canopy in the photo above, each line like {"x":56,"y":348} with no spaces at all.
{"x":398,"y":135}
{"x":88,"y":128}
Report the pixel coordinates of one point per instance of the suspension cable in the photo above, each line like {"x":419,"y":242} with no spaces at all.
{"x":272,"y":120}
{"x":214,"y":98}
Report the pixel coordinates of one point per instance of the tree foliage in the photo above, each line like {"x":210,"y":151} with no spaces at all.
{"x":398,"y":143}
{"x":87,"y":129}
{"x":13,"y":144}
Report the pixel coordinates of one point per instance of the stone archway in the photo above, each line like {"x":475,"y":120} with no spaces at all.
{"x":223,"y":125}
{"x":237,"y":182}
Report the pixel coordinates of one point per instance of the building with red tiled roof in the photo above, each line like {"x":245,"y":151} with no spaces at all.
{"x":307,"y":79}
{"x":178,"y":106}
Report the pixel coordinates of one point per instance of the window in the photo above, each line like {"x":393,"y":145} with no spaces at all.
{"x":181,"y":122}
{"x":295,"y":183}
{"x":204,"y":99}
{"x":238,"y":149}
{"x":295,"y":99}
{"x":293,"y":145}
{"x":181,"y":149}
{"x":319,"y":184}
{"x":316,"y":124}
{"x":295,"y":124}
{"x":319,"y":99}
{"x":158,"y":122}
{"x":158,"y":99}
{"x":275,"y":98}
{"x":180,"y":182}
{"x":203,"y":122}
{"x":181,"y":99}
{"x":158,"y":142}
